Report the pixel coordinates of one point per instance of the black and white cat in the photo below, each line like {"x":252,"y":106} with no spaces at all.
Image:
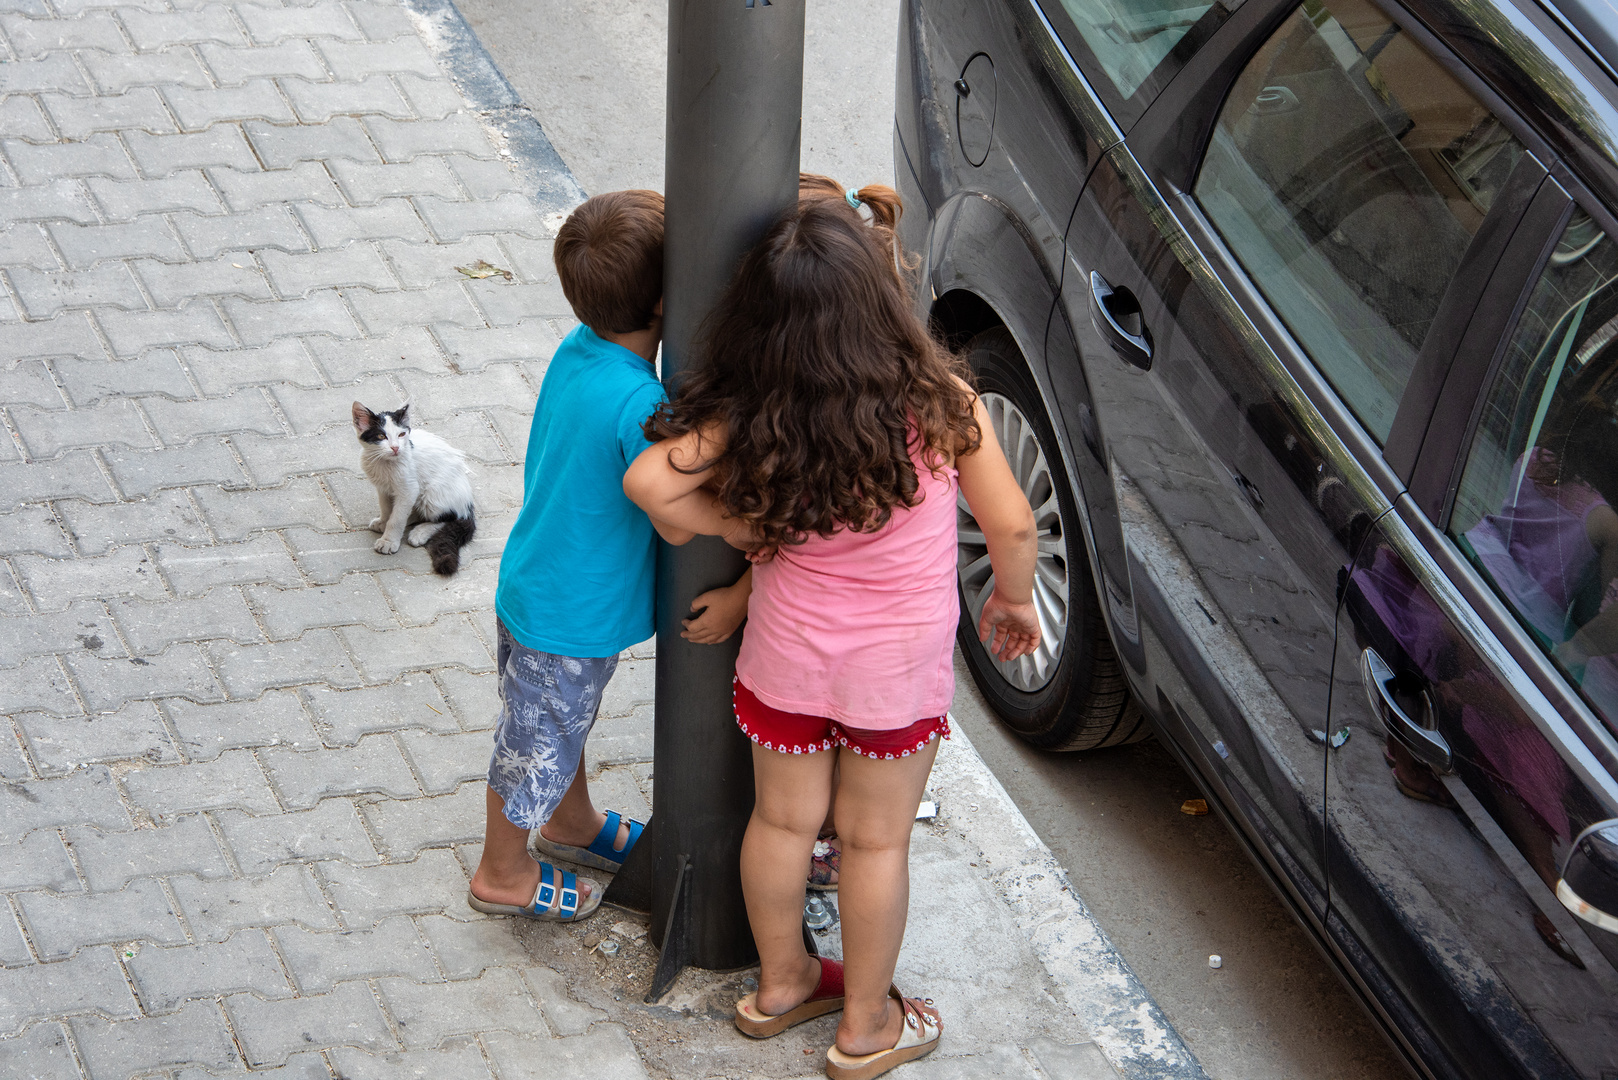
{"x":422,"y":483}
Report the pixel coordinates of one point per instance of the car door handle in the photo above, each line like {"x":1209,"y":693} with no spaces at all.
{"x":1116,"y":314}
{"x":1426,"y":744}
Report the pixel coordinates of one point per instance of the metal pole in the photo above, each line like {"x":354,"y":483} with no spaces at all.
{"x":735,"y":104}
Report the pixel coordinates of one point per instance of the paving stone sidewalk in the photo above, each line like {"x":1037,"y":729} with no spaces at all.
{"x":240,"y":785}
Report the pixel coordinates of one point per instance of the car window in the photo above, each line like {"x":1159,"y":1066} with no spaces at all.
{"x":1534,"y":511}
{"x":1348,"y":172}
{"x":1129,"y":40}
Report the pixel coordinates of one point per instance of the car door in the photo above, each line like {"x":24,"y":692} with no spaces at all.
{"x":1475,"y":695}
{"x":1250,"y":305}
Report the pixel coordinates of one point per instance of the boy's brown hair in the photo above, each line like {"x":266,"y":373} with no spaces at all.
{"x":609,"y":256}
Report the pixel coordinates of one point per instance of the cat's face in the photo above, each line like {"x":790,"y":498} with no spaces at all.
{"x":385,"y":433}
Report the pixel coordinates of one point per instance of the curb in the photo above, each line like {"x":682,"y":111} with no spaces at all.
{"x":1118,"y":1012}
{"x":513,"y":125}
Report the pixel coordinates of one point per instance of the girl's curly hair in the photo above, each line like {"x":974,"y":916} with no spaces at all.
{"x":821,"y":376}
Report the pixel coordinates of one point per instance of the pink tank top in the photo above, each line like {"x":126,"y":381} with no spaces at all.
{"x":860,"y":627}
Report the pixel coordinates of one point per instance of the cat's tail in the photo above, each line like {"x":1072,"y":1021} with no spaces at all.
{"x":444,"y":547}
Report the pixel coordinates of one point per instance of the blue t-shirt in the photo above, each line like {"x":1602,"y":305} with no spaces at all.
{"x":576,"y":577}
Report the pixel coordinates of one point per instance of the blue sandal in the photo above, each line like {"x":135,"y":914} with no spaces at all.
{"x":568,"y":910}
{"x":600,"y":855}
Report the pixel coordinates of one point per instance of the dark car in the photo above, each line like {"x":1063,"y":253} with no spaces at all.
{"x":1299,"y":324}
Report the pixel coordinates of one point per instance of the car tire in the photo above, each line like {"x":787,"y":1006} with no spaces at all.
{"x":1071,"y":695}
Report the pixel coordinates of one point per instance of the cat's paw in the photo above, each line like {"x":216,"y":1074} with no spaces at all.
{"x":420,"y":534}
{"x":385,"y":546}
{"x":376,"y":525}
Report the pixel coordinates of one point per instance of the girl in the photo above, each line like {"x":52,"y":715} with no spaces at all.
{"x":826,"y":432}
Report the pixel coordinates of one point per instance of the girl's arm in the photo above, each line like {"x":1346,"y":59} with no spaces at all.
{"x":676,"y":500}
{"x":718,"y":612}
{"x":1009,"y":624}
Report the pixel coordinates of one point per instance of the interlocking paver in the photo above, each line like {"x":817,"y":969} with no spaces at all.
{"x":139,"y":108}
{"x":317,"y":657}
{"x":421,"y":265}
{"x":125,"y":200}
{"x":155,"y":30}
{"x":36,"y":861}
{"x":444,"y":302}
{"x":473,"y":696}
{"x":22,"y":118}
{"x":409,"y":348}
{"x":221,"y":613}
{"x":360,"y":264}
{"x":115,"y":73}
{"x":216,"y":909}
{"x":44,"y":293}
{"x":384,"y":657}
{"x":178,"y":671}
{"x":99,"y":155}
{"x":85,"y":245}
{"x":56,"y":583}
{"x":368,"y":894}
{"x":141,"y":472}
{"x":65,"y":335}
{"x":432,"y":99}
{"x":403,"y":140}
{"x":178,"y":422}
{"x":81,"y":625}
{"x":429,"y":1013}
{"x":197,"y":323}
{"x":270,"y":1030}
{"x":306,"y":181}
{"x":566,"y":1016}
{"x":604,"y":1052}
{"x":166,"y":977}
{"x":31,"y":38}
{"x":201,"y":109}
{"x":64,"y":924}
{"x":512,"y":303}
{"x":349,"y":60}
{"x":389,"y":219}
{"x":221,"y":145}
{"x":109,"y":861}
{"x":53,"y":72}
{"x":30,"y":382}
{"x":326,"y":557}
{"x":445,"y":761}
{"x":503,"y":213}
{"x":40,"y":1053}
{"x":155,"y":372}
{"x":342,"y":717}
{"x":330,"y":831}
{"x":195,"y":1035}
{"x":466,"y":949}
{"x":58,"y":744}
{"x":234,"y":780}
{"x":319,"y":961}
{"x":206,"y":731}
{"x":113,"y":423}
{"x":90,"y":980}
{"x":406,"y":826}
{"x":268,"y":24}
{"x":218,"y":373}
{"x":234,"y":515}
{"x":33,"y":530}
{"x":460,"y":1059}
{"x":287,"y":613}
{"x":259,"y":323}
{"x":471,"y":589}
{"x":172,"y":284}
{"x":26,"y":244}
{"x":39,"y":683}
{"x":282,"y":146}
{"x":232,"y":65}
{"x":500,"y":385}
{"x":314,"y":410}
{"x":304,"y":1066}
{"x":303,"y":777}
{"x":485,"y":178}
{"x":317,"y":103}
{"x":167,"y":515}
{"x":265,"y":226}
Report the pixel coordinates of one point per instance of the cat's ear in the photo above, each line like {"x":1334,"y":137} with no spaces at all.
{"x":401,"y":415}
{"x":363,"y":418}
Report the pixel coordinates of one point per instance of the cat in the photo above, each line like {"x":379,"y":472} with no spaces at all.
{"x":422,"y":483}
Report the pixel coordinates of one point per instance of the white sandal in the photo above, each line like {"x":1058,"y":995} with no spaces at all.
{"x":917,"y":1038}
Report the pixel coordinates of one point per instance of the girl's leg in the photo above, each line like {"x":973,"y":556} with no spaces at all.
{"x":792,"y":792}
{"x":876,"y":811}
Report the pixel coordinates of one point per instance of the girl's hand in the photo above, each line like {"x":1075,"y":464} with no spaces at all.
{"x":726,"y":608}
{"x":1010,"y":630}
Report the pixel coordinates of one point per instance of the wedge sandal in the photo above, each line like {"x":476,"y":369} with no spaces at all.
{"x":917,"y":1038}
{"x":827,"y":997}
{"x":571,"y":908}
{"x":600,"y":855}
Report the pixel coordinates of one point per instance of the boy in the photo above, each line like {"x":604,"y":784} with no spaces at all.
{"x":576,"y":579}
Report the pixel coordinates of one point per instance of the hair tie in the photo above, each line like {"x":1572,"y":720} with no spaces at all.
{"x":852,"y":197}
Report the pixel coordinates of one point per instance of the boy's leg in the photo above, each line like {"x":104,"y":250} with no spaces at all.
{"x":576,"y":822}
{"x":793,"y":791}
{"x":506,"y":873}
{"x":876,"y":812}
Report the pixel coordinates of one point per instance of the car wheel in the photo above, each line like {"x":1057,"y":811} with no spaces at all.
{"x":1070,"y":694}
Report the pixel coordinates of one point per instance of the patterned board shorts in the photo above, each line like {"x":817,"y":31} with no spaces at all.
{"x":548,"y":704}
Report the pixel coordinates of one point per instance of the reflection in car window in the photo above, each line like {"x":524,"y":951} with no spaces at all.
{"x":1348,"y":172}
{"x":1535,"y":507}
{"x":1130,"y":38}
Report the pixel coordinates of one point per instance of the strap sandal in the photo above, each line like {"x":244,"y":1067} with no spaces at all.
{"x":917,"y":1038}
{"x":824,"y":865}
{"x":572,"y":907}
{"x":827,"y":997}
{"x":601,"y":854}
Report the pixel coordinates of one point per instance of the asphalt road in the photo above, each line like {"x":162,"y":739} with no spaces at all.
{"x":1169,"y":889}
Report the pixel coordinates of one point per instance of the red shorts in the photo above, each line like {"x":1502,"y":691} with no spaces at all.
{"x":796,"y":733}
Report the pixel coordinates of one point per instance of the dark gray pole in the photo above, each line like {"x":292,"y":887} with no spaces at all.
{"x":735,"y":102}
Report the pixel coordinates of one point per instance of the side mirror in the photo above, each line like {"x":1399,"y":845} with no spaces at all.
{"x":1589,"y":884}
